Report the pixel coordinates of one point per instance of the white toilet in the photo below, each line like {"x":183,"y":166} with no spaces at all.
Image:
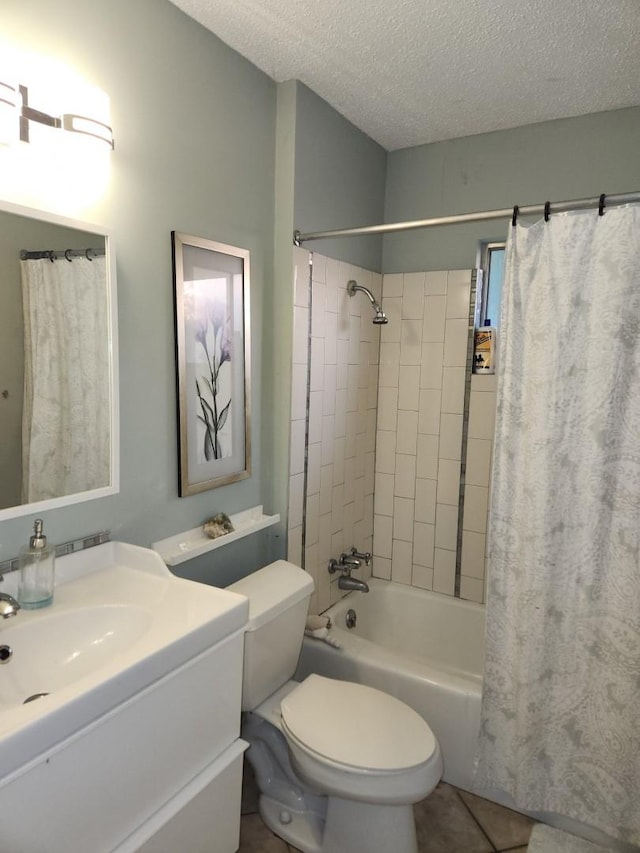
{"x":338,"y":765}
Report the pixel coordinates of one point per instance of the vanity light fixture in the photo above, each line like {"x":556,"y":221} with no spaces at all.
{"x":67,"y":121}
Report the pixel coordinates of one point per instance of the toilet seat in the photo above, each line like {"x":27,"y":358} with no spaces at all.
{"x":356,"y":727}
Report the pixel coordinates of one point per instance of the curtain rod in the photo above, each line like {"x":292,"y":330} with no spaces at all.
{"x":54,"y":255}
{"x":600,"y":202}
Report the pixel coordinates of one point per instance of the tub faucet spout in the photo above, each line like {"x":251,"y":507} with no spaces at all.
{"x":347,"y":582}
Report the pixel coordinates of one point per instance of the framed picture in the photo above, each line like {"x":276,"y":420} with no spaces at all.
{"x":211,"y":287}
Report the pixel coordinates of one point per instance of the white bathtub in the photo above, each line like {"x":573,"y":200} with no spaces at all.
{"x":424,"y":648}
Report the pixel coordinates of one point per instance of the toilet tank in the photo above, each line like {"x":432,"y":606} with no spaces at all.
{"x":279,"y":598}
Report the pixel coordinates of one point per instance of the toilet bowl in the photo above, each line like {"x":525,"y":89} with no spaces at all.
{"x":338,"y":765}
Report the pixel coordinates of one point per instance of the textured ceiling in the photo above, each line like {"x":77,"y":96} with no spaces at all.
{"x":407,"y":72}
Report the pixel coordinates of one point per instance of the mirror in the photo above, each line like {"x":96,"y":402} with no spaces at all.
{"x":58,"y":362}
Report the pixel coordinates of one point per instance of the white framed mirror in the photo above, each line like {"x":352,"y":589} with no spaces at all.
{"x":59,"y":421}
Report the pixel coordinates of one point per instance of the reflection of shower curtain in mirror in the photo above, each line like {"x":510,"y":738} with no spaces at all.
{"x":65,"y":425}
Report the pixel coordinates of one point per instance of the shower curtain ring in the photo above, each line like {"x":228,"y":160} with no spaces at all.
{"x":547,"y":210}
{"x":67,"y":252}
{"x":601,"y":205}
{"x":87,"y":254}
{"x":514,"y":218}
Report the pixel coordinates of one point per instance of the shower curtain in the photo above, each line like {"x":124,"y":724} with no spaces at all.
{"x":560,"y":727}
{"x":66,"y":409}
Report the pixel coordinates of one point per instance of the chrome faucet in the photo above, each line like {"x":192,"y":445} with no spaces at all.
{"x":345,"y":565}
{"x":8,"y":605}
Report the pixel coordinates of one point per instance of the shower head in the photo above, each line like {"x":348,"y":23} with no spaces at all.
{"x":381,"y":318}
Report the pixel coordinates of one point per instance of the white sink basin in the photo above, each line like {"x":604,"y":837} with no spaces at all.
{"x":119,"y":622}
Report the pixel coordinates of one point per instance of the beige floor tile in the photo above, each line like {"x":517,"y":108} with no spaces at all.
{"x":255,"y":837}
{"x":444,"y":825}
{"x":505,"y":828}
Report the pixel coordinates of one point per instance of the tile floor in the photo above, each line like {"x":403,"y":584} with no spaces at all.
{"x":448,"y":821}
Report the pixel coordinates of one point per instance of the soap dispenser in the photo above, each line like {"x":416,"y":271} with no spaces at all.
{"x":36,"y":570}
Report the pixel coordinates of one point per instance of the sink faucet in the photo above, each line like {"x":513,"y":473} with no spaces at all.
{"x":345,"y":565}
{"x":8,"y":605}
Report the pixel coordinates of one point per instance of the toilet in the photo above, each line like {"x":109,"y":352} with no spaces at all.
{"x":338,"y":765}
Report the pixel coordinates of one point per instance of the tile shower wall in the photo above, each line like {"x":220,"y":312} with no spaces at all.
{"x":333,"y":419}
{"x":419,"y":448}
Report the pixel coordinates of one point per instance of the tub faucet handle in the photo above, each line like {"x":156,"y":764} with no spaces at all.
{"x":355,"y":553}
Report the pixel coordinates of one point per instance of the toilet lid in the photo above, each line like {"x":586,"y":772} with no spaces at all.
{"x":356,"y":725}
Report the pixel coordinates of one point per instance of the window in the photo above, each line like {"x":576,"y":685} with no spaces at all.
{"x":492,"y":265}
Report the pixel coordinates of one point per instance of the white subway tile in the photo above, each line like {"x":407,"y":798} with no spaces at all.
{"x":299,"y":391}
{"x":407,"y":433}
{"x":422,"y":577}
{"x":482,"y":415}
{"x":316,"y":373}
{"x":476,"y":502}
{"x":401,"y":562}
{"x":300,"y":335}
{"x":389,"y":365}
{"x":369,"y":472}
{"x":383,"y":494}
{"x":381,"y":568}
{"x":444,"y":571}
{"x":318,"y":308}
{"x":314,"y":462}
{"x":403,"y":519}
{"x":329,"y":390}
{"x":458,"y":292}
{"x":409,"y":388}
{"x":392,"y":284}
{"x":435,"y":283}
{"x":429,"y":418}
{"x":350,"y":435}
{"x":327,"y":439}
{"x":425,"y":509}
{"x":382,"y":536}
{"x":448,"y":482}
{"x":456,"y":341}
{"x":296,"y":499}
{"x":446,"y":527}
{"x":472,"y":557}
{"x":312,"y":520}
{"x":484,"y":382}
{"x":391,"y":331}
{"x":315,"y":417}
{"x":294,"y":545}
{"x":340,"y":422}
{"x":386,"y":452}
{"x":326,"y":487}
{"x":431,"y":366}
{"x":411,"y":342}
{"x":427,"y":461}
{"x":478,"y":465}
{"x":451,"y":436}
{"x":370,"y":421}
{"x":319,"y":267}
{"x":405,"y":476}
{"x":453,"y":379}
{"x":339,"y":464}
{"x":375,"y":284}
{"x":413,"y":296}
{"x":325,"y":537}
{"x":472,"y":589}
{"x":434,"y":317}
{"x":348,"y":471}
{"x":423,"y":544}
{"x":337,"y":508}
{"x":387,"y":408}
{"x":296,"y":449}
{"x":330,"y":338}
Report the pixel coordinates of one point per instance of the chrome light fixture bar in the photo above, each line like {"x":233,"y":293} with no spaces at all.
{"x":67,"y":121}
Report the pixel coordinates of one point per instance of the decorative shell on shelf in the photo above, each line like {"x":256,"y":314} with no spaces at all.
{"x":217,"y":526}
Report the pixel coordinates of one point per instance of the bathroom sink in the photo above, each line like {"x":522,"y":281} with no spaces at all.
{"x":63,"y":646}
{"x":119,"y":622}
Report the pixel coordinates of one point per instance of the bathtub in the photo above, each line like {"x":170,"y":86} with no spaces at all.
{"x":425,"y":648}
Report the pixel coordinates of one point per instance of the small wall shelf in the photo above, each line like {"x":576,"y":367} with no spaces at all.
{"x":192,"y":543}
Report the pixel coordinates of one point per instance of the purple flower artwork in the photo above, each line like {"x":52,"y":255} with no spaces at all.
{"x":211,"y":330}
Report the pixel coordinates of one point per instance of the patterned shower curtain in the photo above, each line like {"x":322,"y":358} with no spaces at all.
{"x":560,"y":725}
{"x":66,"y":409}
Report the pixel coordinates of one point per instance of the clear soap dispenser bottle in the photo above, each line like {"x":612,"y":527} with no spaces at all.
{"x":36,"y":570}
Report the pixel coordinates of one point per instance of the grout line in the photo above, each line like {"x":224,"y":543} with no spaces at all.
{"x":477,"y":822}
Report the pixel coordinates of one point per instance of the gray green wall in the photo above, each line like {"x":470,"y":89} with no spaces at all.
{"x":339,"y":181}
{"x":556,"y":160}
{"x":194,"y":125}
